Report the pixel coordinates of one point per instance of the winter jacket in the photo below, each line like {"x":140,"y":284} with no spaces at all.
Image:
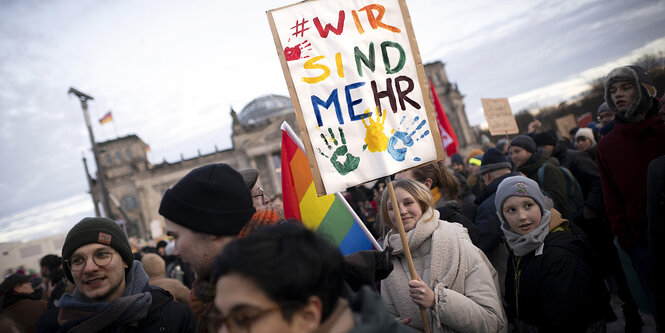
{"x":23,"y":310}
{"x":452,"y":211}
{"x":554,"y":183}
{"x":586,"y":172}
{"x":466,"y":292}
{"x":623,"y":158}
{"x":362,"y":312}
{"x":164,"y":315}
{"x":556,"y":290}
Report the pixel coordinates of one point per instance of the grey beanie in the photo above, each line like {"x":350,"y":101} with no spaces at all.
{"x":603,"y":107}
{"x":250,"y":176}
{"x":525,"y":142}
{"x":522,"y":187}
{"x":641,"y":100}
{"x":96,"y":230}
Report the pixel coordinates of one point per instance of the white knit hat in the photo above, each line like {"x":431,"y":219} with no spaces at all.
{"x":587,"y":133}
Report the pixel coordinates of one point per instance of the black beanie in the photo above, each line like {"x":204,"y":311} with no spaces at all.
{"x":212,"y":199}
{"x":545,"y":139}
{"x":457,"y":159}
{"x":494,"y":160}
{"x":524,"y":142}
{"x":96,"y":230}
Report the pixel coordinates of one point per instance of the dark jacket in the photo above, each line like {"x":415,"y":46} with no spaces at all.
{"x":164,"y":315}
{"x":554,"y":183}
{"x":556,"y":291}
{"x":487,"y":222}
{"x":623,"y":158}
{"x":451,"y":211}
{"x":585,"y":170}
{"x":23,"y":310}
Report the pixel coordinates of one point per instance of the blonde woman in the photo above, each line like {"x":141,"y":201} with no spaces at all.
{"x":457,"y":285}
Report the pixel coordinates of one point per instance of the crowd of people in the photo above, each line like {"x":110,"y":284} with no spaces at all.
{"x":518,"y":236}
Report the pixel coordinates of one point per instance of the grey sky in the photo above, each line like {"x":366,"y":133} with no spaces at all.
{"x":171,"y":70}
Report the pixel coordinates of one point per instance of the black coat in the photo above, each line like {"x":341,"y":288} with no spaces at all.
{"x":452,"y":211}
{"x":587,"y":174}
{"x":164,"y":315}
{"x":556,"y":291}
{"x":487,"y":222}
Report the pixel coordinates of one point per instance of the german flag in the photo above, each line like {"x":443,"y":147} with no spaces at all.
{"x":108,"y":117}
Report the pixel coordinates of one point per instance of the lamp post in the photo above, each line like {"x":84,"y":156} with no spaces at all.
{"x":83,"y":97}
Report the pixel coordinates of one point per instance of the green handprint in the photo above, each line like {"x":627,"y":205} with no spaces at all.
{"x":351,"y":162}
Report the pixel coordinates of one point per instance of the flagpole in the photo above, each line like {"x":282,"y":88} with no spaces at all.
{"x":405,"y":245}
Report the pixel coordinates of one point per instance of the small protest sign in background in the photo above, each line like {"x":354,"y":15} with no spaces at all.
{"x":499,"y":116}
{"x":358,"y":87}
{"x":565,"y":124}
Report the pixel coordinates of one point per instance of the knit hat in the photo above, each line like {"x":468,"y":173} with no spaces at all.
{"x":263,"y":217}
{"x":212,"y":199}
{"x":525,"y":142}
{"x":250,"y":176}
{"x":96,"y":230}
{"x":476,"y":160}
{"x":472,"y":153}
{"x":457,"y":159}
{"x":603,"y":107}
{"x":641,"y":99}
{"x":493,"y":160}
{"x":587,"y":133}
{"x":12,"y":281}
{"x":523,"y":187}
{"x":545,"y":139}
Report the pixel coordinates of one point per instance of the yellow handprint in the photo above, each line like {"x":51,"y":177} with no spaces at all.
{"x":375,"y":139}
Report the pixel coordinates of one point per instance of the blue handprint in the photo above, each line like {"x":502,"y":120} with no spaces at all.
{"x":399,"y":154}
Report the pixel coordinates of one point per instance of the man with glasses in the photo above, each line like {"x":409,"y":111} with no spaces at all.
{"x":285,"y":278}
{"x":605,"y":116}
{"x":251,"y":177}
{"x":112,"y":291}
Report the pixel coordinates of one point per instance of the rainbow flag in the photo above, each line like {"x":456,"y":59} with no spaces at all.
{"x":107,"y":117}
{"x":329,"y":215}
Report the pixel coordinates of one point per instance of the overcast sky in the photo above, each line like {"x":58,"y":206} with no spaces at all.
{"x":171,"y":70}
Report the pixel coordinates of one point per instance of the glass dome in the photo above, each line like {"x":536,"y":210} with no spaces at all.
{"x":263,"y":108}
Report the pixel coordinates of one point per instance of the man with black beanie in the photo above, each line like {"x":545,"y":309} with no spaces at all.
{"x":112,"y":291}
{"x":203,"y":212}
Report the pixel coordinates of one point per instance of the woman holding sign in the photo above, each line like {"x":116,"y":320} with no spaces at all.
{"x":457,"y":285}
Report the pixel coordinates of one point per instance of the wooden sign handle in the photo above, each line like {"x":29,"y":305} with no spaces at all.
{"x":405,"y":244}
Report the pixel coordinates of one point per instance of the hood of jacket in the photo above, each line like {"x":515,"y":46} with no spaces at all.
{"x":641,"y":103}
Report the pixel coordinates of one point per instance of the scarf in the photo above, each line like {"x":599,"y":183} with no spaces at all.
{"x":524,"y":244}
{"x":448,"y":267}
{"x":201,"y":302}
{"x":436,"y":193}
{"x":128,"y":310}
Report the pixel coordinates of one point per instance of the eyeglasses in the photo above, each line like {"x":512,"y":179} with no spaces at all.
{"x":238,"y":321}
{"x":260,"y":193}
{"x":604,"y":116}
{"x":101,"y":258}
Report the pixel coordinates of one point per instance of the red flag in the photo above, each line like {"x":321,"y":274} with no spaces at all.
{"x":584,"y":120}
{"x":448,"y":136}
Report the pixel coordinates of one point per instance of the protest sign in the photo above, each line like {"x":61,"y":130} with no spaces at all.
{"x":358,"y":87}
{"x":499,"y":116}
{"x":565,"y":124}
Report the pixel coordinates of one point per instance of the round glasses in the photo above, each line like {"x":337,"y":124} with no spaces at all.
{"x":100,"y":258}
{"x":237,"y":321}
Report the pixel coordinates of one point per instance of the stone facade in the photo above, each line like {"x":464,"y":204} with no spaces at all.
{"x":452,"y":101}
{"x":137,"y":186}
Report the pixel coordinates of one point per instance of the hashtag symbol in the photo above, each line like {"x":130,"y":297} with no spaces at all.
{"x":300,"y":28}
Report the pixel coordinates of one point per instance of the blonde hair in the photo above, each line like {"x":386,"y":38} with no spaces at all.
{"x":419,"y":192}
